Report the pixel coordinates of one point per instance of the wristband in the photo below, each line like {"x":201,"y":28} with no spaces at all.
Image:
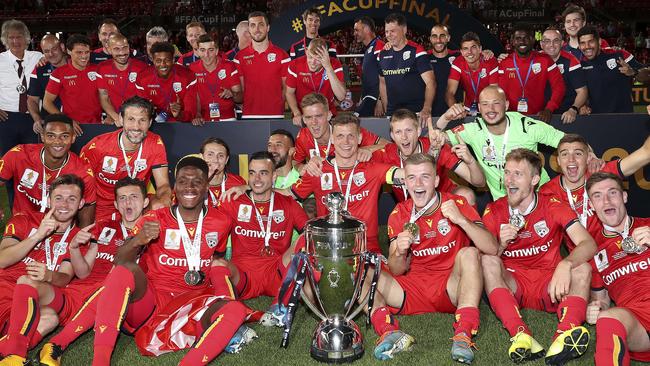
{"x":574,"y":108}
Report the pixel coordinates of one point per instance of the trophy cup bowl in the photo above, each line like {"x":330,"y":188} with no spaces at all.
{"x":335,"y":246}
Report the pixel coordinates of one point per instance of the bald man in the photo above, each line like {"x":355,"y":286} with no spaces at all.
{"x":243,"y":39}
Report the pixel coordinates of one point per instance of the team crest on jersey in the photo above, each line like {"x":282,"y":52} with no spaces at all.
{"x":601,"y":260}
{"x":326,"y":181}
{"x":271,"y":57}
{"x":451,"y":59}
{"x":278,"y":216}
{"x":313,"y":152}
{"x":29,"y":178}
{"x":177,"y":86}
{"x":92,"y":76}
{"x":359,"y":178}
{"x":244,"y":213}
{"x":221,"y":74}
{"x":109,"y":165}
{"x":561,"y":67}
{"x":106,"y":236}
{"x":325,"y":77}
{"x":541,"y":229}
{"x":611,"y":63}
{"x":483,"y":73}
{"x":369,"y":50}
{"x":443,"y":227}
{"x":140,"y":165}
{"x":172,"y":239}
{"x":537,"y":67}
{"x":211,"y":239}
{"x":406,"y":55}
{"x":133,"y":76}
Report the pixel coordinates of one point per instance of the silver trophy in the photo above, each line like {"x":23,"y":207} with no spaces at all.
{"x":336,"y":252}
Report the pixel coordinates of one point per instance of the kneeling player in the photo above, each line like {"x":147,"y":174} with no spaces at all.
{"x":434,"y":268}
{"x":620,"y":274}
{"x":529,"y":271}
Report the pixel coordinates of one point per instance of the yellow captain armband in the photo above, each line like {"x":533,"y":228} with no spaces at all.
{"x":390,"y":176}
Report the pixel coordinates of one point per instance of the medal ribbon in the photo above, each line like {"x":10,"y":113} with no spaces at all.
{"x":585,"y":200}
{"x":269,"y":218}
{"x":126,"y":160}
{"x":415,"y":216}
{"x":338,"y":180}
{"x":329,"y":144}
{"x":125,"y":231}
{"x":192,"y":247}
{"x":626,"y":229}
{"x":52,"y":258}
{"x":514,"y":211}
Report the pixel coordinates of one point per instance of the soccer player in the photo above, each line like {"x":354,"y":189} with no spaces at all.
{"x":317,"y":72}
{"x":55,"y":55}
{"x":168,"y":86}
{"x":432,"y":268}
{"x":528,"y":270}
{"x":574,"y":18}
{"x":117,"y":77}
{"x":107,"y":28}
{"x":469,"y":70}
{"x":131,"y":151}
{"x":153,"y":36}
{"x":311,"y":19}
{"x":75,"y":84}
{"x":405,"y":131}
{"x":405,"y":76}
{"x":575,"y":83}
{"x":193,"y":30}
{"x":364,"y":32}
{"x":621,"y":330}
{"x":440,"y":58}
{"x":33,"y":167}
{"x":216,"y":153}
{"x":314,"y":142}
{"x":609,"y":74}
{"x":525,"y":73}
{"x":36,"y":257}
{"x":281,"y":146}
{"x":217,"y":84}
{"x":495,"y":133}
{"x":243,"y":40}
{"x":262,"y":68}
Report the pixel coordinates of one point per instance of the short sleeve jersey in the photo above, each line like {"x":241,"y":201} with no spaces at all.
{"x":187,"y":59}
{"x":230,"y":180}
{"x":209,"y":85}
{"x":439,"y":239}
{"x":161,"y":92}
{"x":306,"y":145}
{"x":108,"y":237}
{"x":105,"y":157}
{"x":262,"y":74}
{"x":441,"y":67}
{"x":297,"y":49}
{"x":38,"y":82}
{"x":402,"y":72}
{"x":573,"y":76}
{"x":537,"y":244}
{"x":247,"y":235}
{"x":78,"y":92}
{"x":523,"y":132}
{"x":370,"y":68}
{"x":305,"y":81}
{"x":165,"y":258}
{"x":474,"y":81}
{"x":24,"y":166}
{"x":98,"y":56}
{"x":120,"y":84}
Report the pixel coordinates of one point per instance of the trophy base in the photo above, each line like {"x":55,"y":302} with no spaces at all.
{"x":337,"y":340}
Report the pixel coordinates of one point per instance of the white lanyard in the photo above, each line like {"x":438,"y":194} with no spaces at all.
{"x":213,"y":196}
{"x":585,"y":200}
{"x":504,"y":145}
{"x":514,"y":211}
{"x":192,"y":248}
{"x":401,"y":165}
{"x":329,"y":144}
{"x":338,"y":180}
{"x":44,"y":194}
{"x":59,"y":248}
{"x":125,"y":232}
{"x":626,"y":228}
{"x":269,"y":219}
{"x":415,"y":216}
{"x":126,"y":161}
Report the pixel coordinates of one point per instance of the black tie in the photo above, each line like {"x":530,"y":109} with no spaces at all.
{"x":22,"y":103}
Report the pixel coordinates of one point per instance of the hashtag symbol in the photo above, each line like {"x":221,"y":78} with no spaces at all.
{"x":296,"y":24}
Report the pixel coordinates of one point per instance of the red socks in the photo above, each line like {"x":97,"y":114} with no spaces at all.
{"x":611,"y":343}
{"x":467,"y":321}
{"x":383,"y":321}
{"x":25,"y":314}
{"x":571,"y":313}
{"x":220,"y":279}
{"x":224,"y":324}
{"x":82,"y":321}
{"x":507,"y":310}
{"x":111,"y":309}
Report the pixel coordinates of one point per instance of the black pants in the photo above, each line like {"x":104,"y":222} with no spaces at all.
{"x":17,"y":129}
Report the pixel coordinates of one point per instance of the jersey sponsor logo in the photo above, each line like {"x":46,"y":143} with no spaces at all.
{"x":561,"y":67}
{"x":221,"y":74}
{"x":537,"y":68}
{"x":105,"y":256}
{"x":177,"y":86}
{"x":106,"y":179}
{"x":10,"y":230}
{"x":212,"y":238}
{"x":271,"y":57}
{"x":359,"y":178}
{"x":133,"y":76}
{"x":402,"y":71}
{"x":258,"y":234}
{"x":172,"y":239}
{"x":352,"y":197}
{"x":541,"y":228}
{"x":244,"y":213}
{"x":109,"y":165}
{"x":29,"y":178}
{"x":443,"y":227}
{"x":166,"y":260}
{"x":406,"y":55}
{"x":278,"y":216}
{"x":31,"y":199}
{"x":326,"y":181}
{"x":630,"y":268}
{"x":106,"y":236}
{"x":528,"y":252}
{"x":435,"y":250}
{"x":611,"y":63}
{"x":601,"y":260}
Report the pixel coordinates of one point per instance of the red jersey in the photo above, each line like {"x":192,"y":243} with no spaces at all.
{"x":106,"y":160}
{"x":110,"y":236}
{"x":439,"y":239}
{"x":305,"y":81}
{"x":210,"y":84}
{"x":215,"y":191}
{"x":538,"y":243}
{"x":447,"y":161}
{"x":164,"y":258}
{"x":306,"y":145}
{"x":366,"y":180}
{"x":23,"y":164}
{"x":261,"y":74}
{"x":474,"y":81}
{"x":78,"y":92}
{"x":248,"y":238}
{"x":535,"y":71}
{"x":162,"y":92}
{"x":120,"y":84}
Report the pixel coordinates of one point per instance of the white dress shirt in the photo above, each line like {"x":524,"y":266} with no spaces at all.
{"x":9,"y":96}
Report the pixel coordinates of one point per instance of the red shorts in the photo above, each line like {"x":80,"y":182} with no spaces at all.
{"x":259,"y":277}
{"x":424,"y":293}
{"x":73,"y":296}
{"x":532,"y":288}
{"x":639,"y":305}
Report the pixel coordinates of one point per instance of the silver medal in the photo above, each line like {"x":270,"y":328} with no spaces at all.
{"x":630,"y":246}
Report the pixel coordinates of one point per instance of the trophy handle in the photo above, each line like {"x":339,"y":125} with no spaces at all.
{"x":368,"y":259}
{"x":314,"y":289}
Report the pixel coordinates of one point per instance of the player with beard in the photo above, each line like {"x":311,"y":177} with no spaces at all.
{"x":440,"y":58}
{"x":281,"y":146}
{"x":117,"y":77}
{"x":405,"y":131}
{"x":528,"y":270}
{"x":432,"y":268}
{"x":131,"y":151}
{"x":33,"y":167}
{"x":620,"y":274}
{"x":216,"y":153}
{"x":36,"y":264}
{"x":364,"y":32}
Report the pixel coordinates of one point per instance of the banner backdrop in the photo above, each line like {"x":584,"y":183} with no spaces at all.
{"x":611,"y":136}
